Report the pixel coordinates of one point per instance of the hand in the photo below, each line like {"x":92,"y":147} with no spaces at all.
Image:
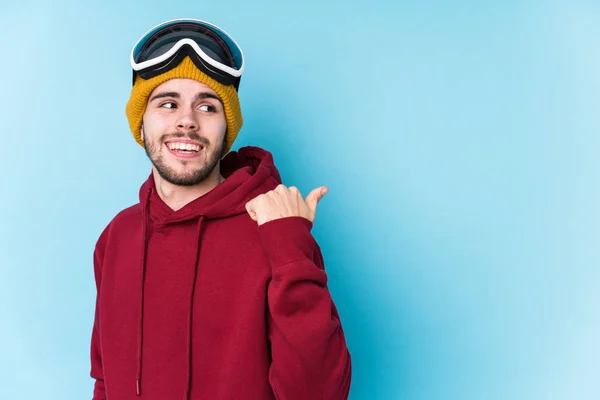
{"x":283,"y":202}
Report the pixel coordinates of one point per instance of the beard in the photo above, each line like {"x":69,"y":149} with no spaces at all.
{"x":190,"y":176}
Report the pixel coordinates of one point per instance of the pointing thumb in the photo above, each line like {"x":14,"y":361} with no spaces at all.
{"x":315,"y":196}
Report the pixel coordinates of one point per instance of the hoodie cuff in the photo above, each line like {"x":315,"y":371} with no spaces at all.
{"x":287,"y":240}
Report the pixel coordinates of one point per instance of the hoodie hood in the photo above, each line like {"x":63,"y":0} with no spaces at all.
{"x":248,"y":172}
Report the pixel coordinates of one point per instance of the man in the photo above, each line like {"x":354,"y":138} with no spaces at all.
{"x":212,"y":287}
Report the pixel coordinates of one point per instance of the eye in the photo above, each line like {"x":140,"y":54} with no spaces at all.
{"x":208,"y":108}
{"x":168,"y":104}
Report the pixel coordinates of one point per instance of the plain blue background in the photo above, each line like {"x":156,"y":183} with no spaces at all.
{"x":459,"y":141}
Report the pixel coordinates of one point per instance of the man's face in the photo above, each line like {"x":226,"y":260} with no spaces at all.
{"x":183,"y":130}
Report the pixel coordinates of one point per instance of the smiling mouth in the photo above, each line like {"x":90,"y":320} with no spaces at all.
{"x":184,"y":148}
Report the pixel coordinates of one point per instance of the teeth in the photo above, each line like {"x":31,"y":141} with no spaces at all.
{"x":183,"y":146}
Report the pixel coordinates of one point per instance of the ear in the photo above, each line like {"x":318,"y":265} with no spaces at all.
{"x":142,"y":132}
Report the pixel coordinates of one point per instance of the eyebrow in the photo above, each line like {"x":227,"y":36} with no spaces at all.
{"x":165,"y":94}
{"x":208,"y":95}
{"x":175,"y":95}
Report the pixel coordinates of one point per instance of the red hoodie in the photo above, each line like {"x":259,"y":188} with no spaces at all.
{"x":200,"y":303}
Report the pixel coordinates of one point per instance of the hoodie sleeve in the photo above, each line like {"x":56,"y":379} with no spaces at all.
{"x":97,"y":372}
{"x":310,"y":359}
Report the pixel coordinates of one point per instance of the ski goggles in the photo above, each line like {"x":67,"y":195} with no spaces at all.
{"x":211,"y":49}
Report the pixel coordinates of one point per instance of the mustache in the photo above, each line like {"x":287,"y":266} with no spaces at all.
{"x":186,"y":135}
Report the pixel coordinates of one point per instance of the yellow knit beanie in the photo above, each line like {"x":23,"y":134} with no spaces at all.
{"x":136,"y":106}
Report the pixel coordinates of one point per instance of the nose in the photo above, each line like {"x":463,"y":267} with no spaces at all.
{"x":187,"y":120}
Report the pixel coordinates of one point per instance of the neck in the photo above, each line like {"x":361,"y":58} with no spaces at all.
{"x":176,"y":197}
